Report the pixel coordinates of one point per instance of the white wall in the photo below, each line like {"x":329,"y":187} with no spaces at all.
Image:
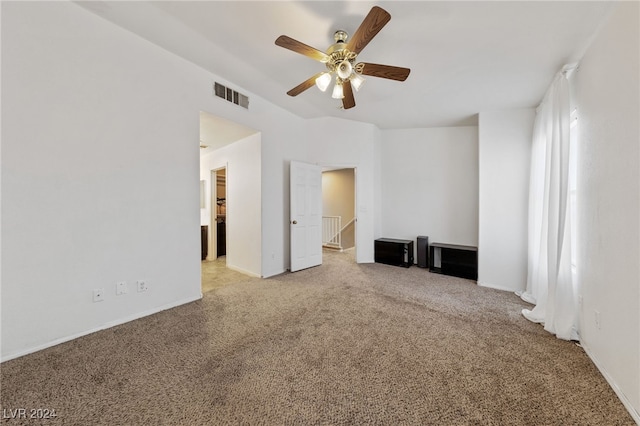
{"x":377,"y":184}
{"x":243,"y":219}
{"x":286,"y":142}
{"x":607,"y":100}
{"x":100,"y":173}
{"x":95,"y":190}
{"x":430,"y":184}
{"x":504,"y":163}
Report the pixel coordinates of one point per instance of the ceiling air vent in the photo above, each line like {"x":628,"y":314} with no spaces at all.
{"x":231,"y":95}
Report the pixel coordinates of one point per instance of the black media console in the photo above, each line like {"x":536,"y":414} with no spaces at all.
{"x":455,"y":260}
{"x":393,"y":252}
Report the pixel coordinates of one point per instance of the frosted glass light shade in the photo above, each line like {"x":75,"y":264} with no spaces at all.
{"x":337,"y":91}
{"x":356,"y":81}
{"x":323,"y":81}
{"x":344,"y":69}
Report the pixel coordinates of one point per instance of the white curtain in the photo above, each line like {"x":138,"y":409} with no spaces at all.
{"x":549,"y":283}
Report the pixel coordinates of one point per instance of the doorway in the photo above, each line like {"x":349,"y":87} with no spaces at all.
{"x":339,"y":208}
{"x":230,"y":169}
{"x":218,"y":245}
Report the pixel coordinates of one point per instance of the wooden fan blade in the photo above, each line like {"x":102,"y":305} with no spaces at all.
{"x":372,"y":24}
{"x":383,"y":71}
{"x":301,"y":48}
{"x":304,"y":85}
{"x":348,"y":101}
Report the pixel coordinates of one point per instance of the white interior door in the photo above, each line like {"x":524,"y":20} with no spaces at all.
{"x":306,"y":215}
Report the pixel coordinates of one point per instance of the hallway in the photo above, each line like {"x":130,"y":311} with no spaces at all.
{"x":215,"y":274}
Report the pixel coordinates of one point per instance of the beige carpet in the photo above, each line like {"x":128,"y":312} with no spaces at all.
{"x":340,"y":344}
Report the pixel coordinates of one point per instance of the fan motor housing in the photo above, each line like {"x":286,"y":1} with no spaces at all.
{"x":336,"y":57}
{"x":337,"y":47}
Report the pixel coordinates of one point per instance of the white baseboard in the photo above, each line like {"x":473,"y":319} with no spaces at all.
{"x":623,"y":398}
{"x":495,"y":287}
{"x":242,"y":271}
{"x":275,"y":273}
{"x":99,"y":328}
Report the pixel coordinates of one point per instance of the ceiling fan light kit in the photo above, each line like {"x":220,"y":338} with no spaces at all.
{"x":357,"y":81}
{"x":340,"y":59}
{"x":338,"y":93}
{"x":323,"y":81}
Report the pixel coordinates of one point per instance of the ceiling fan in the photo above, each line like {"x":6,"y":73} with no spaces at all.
{"x":340,"y":59}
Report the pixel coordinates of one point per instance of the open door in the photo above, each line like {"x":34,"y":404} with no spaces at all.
{"x":306,"y":215}
{"x":219,"y":211}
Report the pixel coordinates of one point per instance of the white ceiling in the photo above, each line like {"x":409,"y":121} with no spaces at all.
{"x":216,"y":132}
{"x":465,"y":57}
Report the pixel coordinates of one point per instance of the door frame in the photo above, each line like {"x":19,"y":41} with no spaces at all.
{"x":327,"y":167}
{"x":213,"y":240}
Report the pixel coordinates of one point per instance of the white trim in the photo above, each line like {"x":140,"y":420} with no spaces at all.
{"x":274,"y":273}
{"x":235,"y":268}
{"x":100,"y":328}
{"x":623,"y":398}
{"x":495,"y":287}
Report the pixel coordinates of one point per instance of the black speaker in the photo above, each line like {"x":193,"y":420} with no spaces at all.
{"x":423,"y":252}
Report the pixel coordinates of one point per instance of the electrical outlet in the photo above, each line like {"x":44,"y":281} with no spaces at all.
{"x":142,"y":286}
{"x":98,"y":295}
{"x":121,"y":288}
{"x":598,"y":320}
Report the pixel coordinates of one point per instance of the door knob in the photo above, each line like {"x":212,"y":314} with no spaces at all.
{"x":295,"y":222}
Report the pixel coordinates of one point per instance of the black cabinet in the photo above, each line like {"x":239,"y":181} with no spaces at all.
{"x":455,"y":260}
{"x":393,"y":252}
